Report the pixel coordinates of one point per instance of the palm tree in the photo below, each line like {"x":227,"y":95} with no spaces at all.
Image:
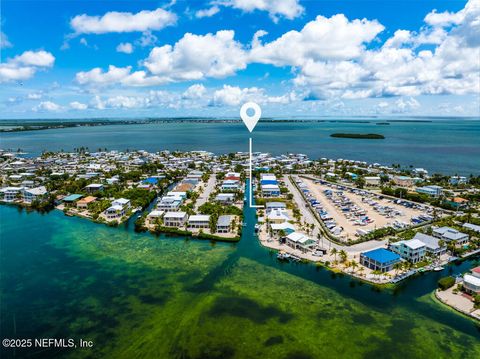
{"x":343,"y":255}
{"x":334,"y":252}
{"x":354,"y":265}
{"x":397,"y":266}
{"x":361,"y":270}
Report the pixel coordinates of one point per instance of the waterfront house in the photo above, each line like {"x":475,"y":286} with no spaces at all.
{"x":270,"y":190}
{"x":94,"y":187}
{"x":169,"y":203}
{"x":34,"y":194}
{"x":84,"y":202}
{"x":115,"y":211}
{"x":269,"y":206}
{"x":71,"y":199}
{"x":471,"y":281}
{"x":299,"y":241}
{"x":224,"y":224}
{"x":379,"y":259}
{"x":230,"y":185}
{"x":175,"y":219}
{"x":432,"y":191}
{"x":175,"y":194}
{"x":184,"y":187}
{"x":125,"y":203}
{"x":432,"y":244}
{"x":277,"y":216}
{"x":412,"y":250}
{"x":155,"y":214}
{"x":286,"y":227}
{"x":199,"y":221}
{"x":10,"y":194}
{"x":450,"y":234}
{"x":225,"y":197}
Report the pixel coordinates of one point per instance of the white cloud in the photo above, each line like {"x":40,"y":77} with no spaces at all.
{"x":234,"y":96}
{"x":195,"y":57}
{"x":35,"y":58}
{"x":125,"y":47}
{"x":4,"y":43}
{"x":406,"y":105}
{"x":34,"y":96}
{"x":123,"y":22}
{"x":334,"y":38}
{"x":75,"y":105}
{"x":47,"y":106}
{"x":24,"y":66}
{"x":288,"y":9}
{"x":195,"y":91}
{"x":207,"y":12}
{"x":330,"y":58}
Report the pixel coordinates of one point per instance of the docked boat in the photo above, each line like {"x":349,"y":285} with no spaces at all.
{"x":438,"y":269}
{"x":257,"y":228}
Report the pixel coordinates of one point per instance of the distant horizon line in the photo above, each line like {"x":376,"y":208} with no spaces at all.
{"x":233,"y":118}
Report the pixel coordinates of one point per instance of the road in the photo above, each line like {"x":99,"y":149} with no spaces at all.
{"x":208,"y":188}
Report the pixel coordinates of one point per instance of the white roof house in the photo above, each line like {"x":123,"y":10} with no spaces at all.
{"x":199,"y":218}
{"x":121,"y":202}
{"x":414,"y":244}
{"x":175,"y":215}
{"x":156,"y":214}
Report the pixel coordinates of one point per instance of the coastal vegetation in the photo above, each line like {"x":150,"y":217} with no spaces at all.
{"x":446,"y":282}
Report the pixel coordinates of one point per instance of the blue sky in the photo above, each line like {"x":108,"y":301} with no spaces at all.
{"x":77,"y":59}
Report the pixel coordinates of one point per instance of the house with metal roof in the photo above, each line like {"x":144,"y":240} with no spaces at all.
{"x":450,"y":234}
{"x":379,"y":259}
{"x":432,"y":244}
{"x":412,"y":250}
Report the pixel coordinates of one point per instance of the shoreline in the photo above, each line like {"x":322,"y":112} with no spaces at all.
{"x":444,"y":302}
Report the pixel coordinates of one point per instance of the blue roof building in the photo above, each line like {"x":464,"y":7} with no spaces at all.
{"x":379,"y":259}
{"x":264,"y":182}
{"x":151,"y":180}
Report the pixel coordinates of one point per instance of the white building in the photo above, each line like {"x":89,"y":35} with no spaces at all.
{"x":300,"y":241}
{"x":471,"y":281}
{"x":199,"y":221}
{"x":450,"y":234}
{"x":32,"y":194}
{"x":224,"y":224}
{"x":169,"y":203}
{"x":433,"y":191}
{"x":372,"y":180}
{"x":225,"y":197}
{"x":175,"y":219}
{"x":10,"y":193}
{"x":115,"y":212}
{"x":432,"y":244}
{"x":412,"y":250}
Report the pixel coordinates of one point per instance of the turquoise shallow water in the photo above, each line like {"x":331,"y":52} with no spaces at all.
{"x":140,"y":296}
{"x":450,"y":147}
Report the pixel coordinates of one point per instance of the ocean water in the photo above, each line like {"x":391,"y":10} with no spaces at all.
{"x":140,"y":296}
{"x":447,"y":146}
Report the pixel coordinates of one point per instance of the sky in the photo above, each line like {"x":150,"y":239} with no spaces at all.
{"x":296,"y":58}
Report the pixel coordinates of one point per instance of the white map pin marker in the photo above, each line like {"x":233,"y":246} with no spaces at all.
{"x":250,"y":121}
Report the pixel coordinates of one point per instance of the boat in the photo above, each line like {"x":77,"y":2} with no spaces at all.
{"x":257,"y":228}
{"x":438,"y":269}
